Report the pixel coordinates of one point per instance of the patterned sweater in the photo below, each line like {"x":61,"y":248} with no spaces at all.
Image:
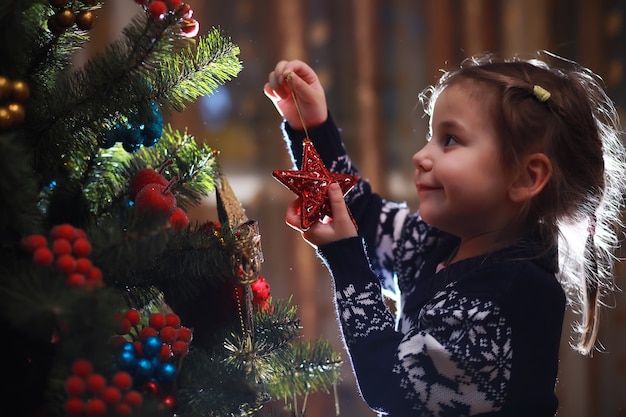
{"x":479,"y":337}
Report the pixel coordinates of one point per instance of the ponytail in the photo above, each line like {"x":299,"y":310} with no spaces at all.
{"x":589,"y":327}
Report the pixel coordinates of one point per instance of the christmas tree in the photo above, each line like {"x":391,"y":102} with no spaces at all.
{"x":114,"y":301}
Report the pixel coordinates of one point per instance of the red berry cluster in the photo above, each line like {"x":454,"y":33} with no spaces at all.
{"x":152,"y":192}
{"x":167,"y":327}
{"x":159,"y":9}
{"x":91,"y":395}
{"x":260,"y":293}
{"x":68,"y":251}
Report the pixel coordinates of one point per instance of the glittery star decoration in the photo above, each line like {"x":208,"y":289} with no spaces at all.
{"x":311,"y":185}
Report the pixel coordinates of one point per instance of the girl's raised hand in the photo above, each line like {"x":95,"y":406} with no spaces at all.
{"x":307,"y":88}
{"x":339,"y":227}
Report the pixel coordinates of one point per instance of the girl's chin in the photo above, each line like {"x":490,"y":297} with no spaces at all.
{"x":433,"y":220}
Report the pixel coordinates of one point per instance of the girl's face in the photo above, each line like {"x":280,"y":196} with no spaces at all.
{"x":461,"y":180}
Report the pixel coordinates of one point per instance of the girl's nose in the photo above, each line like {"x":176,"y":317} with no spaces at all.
{"x":422,"y":160}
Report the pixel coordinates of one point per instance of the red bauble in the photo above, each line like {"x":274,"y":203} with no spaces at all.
{"x":63,"y":231}
{"x":43,"y":257}
{"x":96,"y":383}
{"x":185,"y":334}
{"x":165,"y":353}
{"x":61,"y":247}
{"x":147,"y":332}
{"x":173,"y":320}
{"x":158,"y":9}
{"x":81,"y":248}
{"x":168,"y":334}
{"x":116,"y":341}
{"x":74,"y":386}
{"x":152,"y":387}
{"x":34,"y":242}
{"x":157,"y":198}
{"x":82,"y":368}
{"x":74,"y":407}
{"x":122,"y":380}
{"x":179,"y":219}
{"x":311,"y":184}
{"x":180,"y":348}
{"x":133,"y":398}
{"x":83,"y":265}
{"x":123,"y":409}
{"x":133,"y":316}
{"x":157,"y":321}
{"x":170,"y":402}
{"x":66,"y":264}
{"x":123,"y":324}
{"x":95,"y":274}
{"x":75,"y":280}
{"x":95,"y":407}
{"x":142,"y":178}
{"x":174,"y":4}
{"x":111,"y":395}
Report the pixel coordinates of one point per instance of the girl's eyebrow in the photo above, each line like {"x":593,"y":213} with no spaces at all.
{"x":450,"y":124}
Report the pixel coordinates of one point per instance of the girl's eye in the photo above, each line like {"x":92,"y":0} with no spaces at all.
{"x":449,"y":140}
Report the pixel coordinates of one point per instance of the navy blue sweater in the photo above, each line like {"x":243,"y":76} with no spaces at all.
{"x":479,"y":337}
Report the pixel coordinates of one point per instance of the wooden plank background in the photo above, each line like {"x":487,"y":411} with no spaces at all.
{"x":374,"y":57}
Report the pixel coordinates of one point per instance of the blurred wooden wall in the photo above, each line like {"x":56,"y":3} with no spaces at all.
{"x":374,"y":57}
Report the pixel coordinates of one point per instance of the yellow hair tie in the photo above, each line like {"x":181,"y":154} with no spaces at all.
{"x":541,"y":93}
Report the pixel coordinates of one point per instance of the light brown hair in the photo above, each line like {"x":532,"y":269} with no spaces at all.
{"x":564,"y":113}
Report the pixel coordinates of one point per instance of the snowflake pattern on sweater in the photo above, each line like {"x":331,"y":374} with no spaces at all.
{"x":449,"y":352}
{"x":455,"y":358}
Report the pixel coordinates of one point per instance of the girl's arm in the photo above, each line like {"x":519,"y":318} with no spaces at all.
{"x":379,"y":222}
{"x":454,"y":359}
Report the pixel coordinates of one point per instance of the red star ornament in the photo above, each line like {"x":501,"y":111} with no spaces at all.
{"x":311,"y":185}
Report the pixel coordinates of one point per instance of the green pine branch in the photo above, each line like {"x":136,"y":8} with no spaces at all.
{"x":107,"y":179}
{"x":196,"y":71}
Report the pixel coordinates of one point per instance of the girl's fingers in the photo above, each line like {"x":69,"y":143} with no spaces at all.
{"x":342,"y":221}
{"x":293,"y":216}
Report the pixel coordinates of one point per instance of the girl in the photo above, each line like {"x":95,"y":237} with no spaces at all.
{"x":518,"y":153}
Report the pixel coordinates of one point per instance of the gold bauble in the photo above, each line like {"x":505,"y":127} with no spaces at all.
{"x":16,"y":110}
{"x":54,"y":26}
{"x":86,"y":20}
{"x":5,"y":118}
{"x":5,"y":88}
{"x":19,"y":90}
{"x":65,"y":18}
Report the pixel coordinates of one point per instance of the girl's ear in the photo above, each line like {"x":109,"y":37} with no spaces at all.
{"x":535,"y":172}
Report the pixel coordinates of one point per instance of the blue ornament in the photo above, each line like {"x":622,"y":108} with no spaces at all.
{"x":166,"y":372}
{"x":143,"y":369}
{"x":152,"y":133}
{"x":131,"y":147}
{"x":133,"y":134}
{"x":126,"y":360}
{"x":126,"y":347}
{"x":113,"y":135}
{"x":151,"y":346}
